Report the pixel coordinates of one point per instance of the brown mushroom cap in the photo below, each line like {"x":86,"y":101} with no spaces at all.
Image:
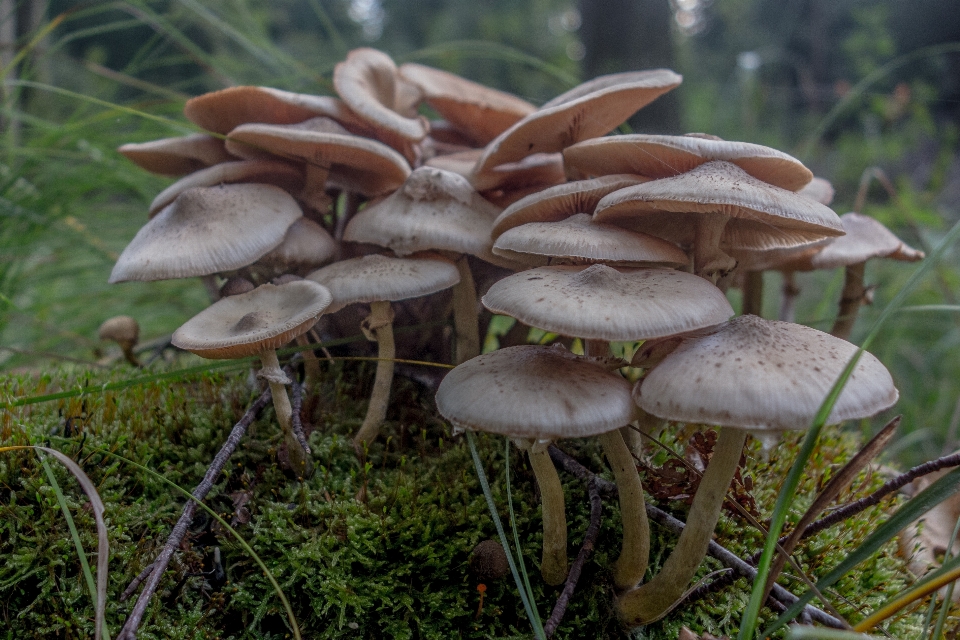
{"x":375,"y":277}
{"x":763,"y":375}
{"x":584,"y":112}
{"x":123,"y":330}
{"x":208,"y":230}
{"x":535,"y":392}
{"x":537,"y":169}
{"x":479,"y":110}
{"x":177,"y":156}
{"x":246,"y":324}
{"x":581,"y":239}
{"x":602,"y":303}
{"x":666,"y":156}
{"x":561,"y":201}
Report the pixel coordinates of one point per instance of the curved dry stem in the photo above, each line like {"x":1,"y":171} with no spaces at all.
{"x":553,"y":566}
{"x":466,"y":323}
{"x":852,"y":297}
{"x":299,"y":460}
{"x":631,"y":566}
{"x":379,"y":326}
{"x":647,"y":602}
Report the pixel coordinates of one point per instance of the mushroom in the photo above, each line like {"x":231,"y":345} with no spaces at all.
{"x":751,"y":375}
{"x":177,"y":156}
{"x":257,"y":323}
{"x":125,"y":331}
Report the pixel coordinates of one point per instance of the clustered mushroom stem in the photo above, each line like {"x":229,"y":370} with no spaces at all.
{"x":281,"y":405}
{"x":311,"y":365}
{"x":314,"y":187}
{"x":210,"y":284}
{"x":649,"y":601}
{"x":850,"y":300}
{"x":380,"y":322}
{"x":709,"y":262}
{"x":753,"y":293}
{"x":466,"y":321}
{"x":631,"y":566}
{"x":553,"y":566}
{"x":788,"y":299}
{"x":601,"y":349}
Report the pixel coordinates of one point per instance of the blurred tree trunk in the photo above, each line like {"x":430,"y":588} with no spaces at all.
{"x":626,"y":35}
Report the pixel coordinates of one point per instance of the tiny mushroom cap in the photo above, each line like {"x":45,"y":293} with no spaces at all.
{"x":236,"y":285}
{"x":177,"y":156}
{"x":375,"y":277}
{"x":537,"y":392}
{"x":208,"y":230}
{"x":306,"y":245}
{"x":593,"y":109}
{"x":602,"y":303}
{"x":866,"y":238}
{"x":582,"y":240}
{"x":244,"y":325}
{"x":124,"y":330}
{"x":659,"y":156}
{"x":818,"y":189}
{"x":482,"y":112}
{"x":763,"y":376}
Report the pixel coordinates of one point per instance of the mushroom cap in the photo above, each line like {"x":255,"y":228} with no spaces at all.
{"x":866,"y":238}
{"x":763,"y":375}
{"x":481,"y":111}
{"x":176,"y":156}
{"x":602,"y":303}
{"x":306,"y":245}
{"x":818,"y":189}
{"x":538,"y":392}
{"x":355,"y":163}
{"x":283,"y":174}
{"x":768,"y":215}
{"x":580,"y":238}
{"x":208,"y":230}
{"x":375,"y":277}
{"x":120,"y":329}
{"x":460,"y":162}
{"x":666,"y":156}
{"x":367,"y":82}
{"x":537,"y":169}
{"x":561,"y":201}
{"x":224,"y":110}
{"x":246,"y":324}
{"x":782,"y":259}
{"x":590,"y":110}
{"x":433,"y":210}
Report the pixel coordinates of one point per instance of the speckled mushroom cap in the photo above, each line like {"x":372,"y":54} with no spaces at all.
{"x":375,"y":277}
{"x":536,"y":392}
{"x":561,"y":201}
{"x":283,"y":174}
{"x":306,"y":245}
{"x":176,"y":156}
{"x":433,"y":210}
{"x":480,"y":111}
{"x":763,"y":375}
{"x":602,"y":303}
{"x":593,"y":109}
{"x":246,"y":324}
{"x":665,"y":156}
{"x":762,"y":215}
{"x":224,"y":110}
{"x":208,"y":230}
{"x":581,"y":239}
{"x":866,"y":238}
{"x":355,"y":163}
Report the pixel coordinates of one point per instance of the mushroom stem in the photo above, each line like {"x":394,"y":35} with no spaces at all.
{"x":630,"y":567}
{"x":788,"y":300}
{"x":851,"y":298}
{"x":553,"y":566}
{"x":314,"y":192}
{"x":311,"y":371}
{"x":753,"y":293}
{"x":709,"y":262}
{"x":274,"y":375}
{"x":378,"y":326}
{"x":213,"y":289}
{"x":649,"y":601}
{"x":466,"y":321}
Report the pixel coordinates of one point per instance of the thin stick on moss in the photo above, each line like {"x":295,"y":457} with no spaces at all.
{"x":296,"y":424}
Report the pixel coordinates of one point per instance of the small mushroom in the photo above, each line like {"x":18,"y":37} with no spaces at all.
{"x":125,"y":331}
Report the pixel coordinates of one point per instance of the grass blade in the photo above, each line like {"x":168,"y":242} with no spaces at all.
{"x":516,"y":534}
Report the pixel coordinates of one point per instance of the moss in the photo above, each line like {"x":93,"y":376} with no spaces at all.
{"x":371,"y":550}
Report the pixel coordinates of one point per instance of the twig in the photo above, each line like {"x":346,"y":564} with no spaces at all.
{"x":295,"y":423}
{"x":589,"y":539}
{"x":726,"y":557}
{"x":129,"y":630}
{"x":132,"y":587}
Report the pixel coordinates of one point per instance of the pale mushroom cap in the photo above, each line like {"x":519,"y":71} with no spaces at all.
{"x":818,"y":189}
{"x":433,"y":210}
{"x":580,"y":238}
{"x":763,"y":375}
{"x":480,"y":110}
{"x":545,"y":169}
{"x":367,"y":82}
{"x":208,"y":230}
{"x":461,"y":162}
{"x":177,"y":156}
{"x":246,"y":324}
{"x":283,"y":174}
{"x":305,"y":245}
{"x":666,"y":156}
{"x":788,"y":259}
{"x":120,"y":329}
{"x":564,"y":122}
{"x":374,"y":278}
{"x":355,"y":163}
{"x":561,"y":201}
{"x":719,"y":187}
{"x":535,"y":392}
{"x":866,"y":238}
{"x":602,"y":303}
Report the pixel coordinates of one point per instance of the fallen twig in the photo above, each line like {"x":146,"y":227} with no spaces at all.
{"x":295,"y":422}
